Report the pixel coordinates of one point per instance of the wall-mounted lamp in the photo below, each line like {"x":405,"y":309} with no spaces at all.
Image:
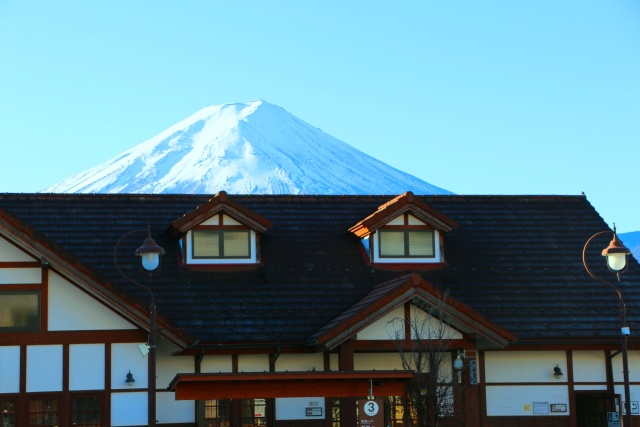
{"x":557,"y":371}
{"x":129,"y":379}
{"x":458,"y":363}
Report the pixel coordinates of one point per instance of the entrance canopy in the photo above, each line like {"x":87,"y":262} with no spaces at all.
{"x":290,"y":384}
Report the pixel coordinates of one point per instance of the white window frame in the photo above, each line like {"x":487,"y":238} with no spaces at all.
{"x":226,"y":221}
{"x":399,"y":221}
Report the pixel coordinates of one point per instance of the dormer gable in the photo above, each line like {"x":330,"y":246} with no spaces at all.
{"x":375,"y":317}
{"x":404,"y":230}
{"x":220,"y":231}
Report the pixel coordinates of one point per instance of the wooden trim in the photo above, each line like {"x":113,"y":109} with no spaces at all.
{"x":44,"y":299}
{"x":20,"y":264}
{"x":346,"y":362}
{"x":107,"y":385}
{"x":221,"y":227}
{"x":373,"y":346}
{"x":72,"y":337}
{"x":21,"y":287}
{"x":407,"y":321}
{"x":609,"y":372}
{"x":571,"y":385}
{"x":64,"y":410}
{"x":482,"y":383}
{"x":406,"y":227}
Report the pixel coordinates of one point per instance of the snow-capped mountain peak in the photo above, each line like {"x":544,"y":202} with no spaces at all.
{"x":253,"y":148}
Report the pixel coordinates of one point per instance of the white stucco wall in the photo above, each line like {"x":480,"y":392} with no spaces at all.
{"x":10,"y":253}
{"x":10,"y":366}
{"x":524,"y":366}
{"x":300,"y":362}
{"x":515,"y":400}
{"x":129,"y":409}
{"x":20,"y":276}
{"x":387,"y":327}
{"x":170,"y":410}
{"x":589,"y":366}
{"x":426,"y":326}
{"x":125,"y":358}
{"x":44,"y":368}
{"x":87,"y":314}
{"x":379,"y":361}
{"x":253,"y":362}
{"x":214,"y":364}
{"x":86,"y":366}
{"x":634,"y":365}
{"x":167,"y":366}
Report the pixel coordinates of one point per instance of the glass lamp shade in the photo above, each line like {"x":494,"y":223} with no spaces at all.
{"x":458,"y":364}
{"x":617,"y":261}
{"x":150,"y":253}
{"x":150,"y":260}
{"x":616,"y":254}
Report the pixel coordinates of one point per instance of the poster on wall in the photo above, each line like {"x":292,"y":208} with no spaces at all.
{"x":371,"y":413}
{"x":299,"y":408}
{"x":540,"y":407}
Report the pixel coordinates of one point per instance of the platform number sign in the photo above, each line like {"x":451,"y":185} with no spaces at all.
{"x":371,"y":413}
{"x":371,"y":408}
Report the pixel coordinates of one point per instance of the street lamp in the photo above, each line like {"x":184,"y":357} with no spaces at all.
{"x":149,"y":253}
{"x":616,"y":254}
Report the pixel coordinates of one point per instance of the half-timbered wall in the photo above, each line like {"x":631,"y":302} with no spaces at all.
{"x":83,"y":348}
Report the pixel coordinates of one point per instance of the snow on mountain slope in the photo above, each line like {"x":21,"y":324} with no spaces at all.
{"x":254,"y":148}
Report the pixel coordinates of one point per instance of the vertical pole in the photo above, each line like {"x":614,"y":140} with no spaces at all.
{"x":625,"y":363}
{"x":152,"y":363}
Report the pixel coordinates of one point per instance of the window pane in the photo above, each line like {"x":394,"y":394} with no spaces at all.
{"x":206,"y":243}
{"x":20,"y":310}
{"x":217,"y":413}
{"x":421,"y":243}
{"x":236,"y":244}
{"x":8,"y":414}
{"x":253,"y":412}
{"x":86,"y":411}
{"x":391,"y":243}
{"x":43,"y":412}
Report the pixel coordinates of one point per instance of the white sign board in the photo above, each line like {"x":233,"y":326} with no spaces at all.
{"x":613,"y":419}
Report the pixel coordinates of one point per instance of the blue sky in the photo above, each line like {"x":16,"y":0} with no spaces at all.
{"x":478,"y":97}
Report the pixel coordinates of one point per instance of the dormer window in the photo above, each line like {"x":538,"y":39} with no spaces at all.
{"x":221,"y":239}
{"x":220,"y":232}
{"x":406,"y":244}
{"x":404,"y":230}
{"x":221,"y":243}
{"x":405,"y":239}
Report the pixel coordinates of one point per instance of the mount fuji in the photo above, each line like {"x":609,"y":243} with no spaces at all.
{"x":253,"y":148}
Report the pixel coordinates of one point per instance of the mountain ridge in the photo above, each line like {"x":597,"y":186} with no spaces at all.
{"x":255,"y":147}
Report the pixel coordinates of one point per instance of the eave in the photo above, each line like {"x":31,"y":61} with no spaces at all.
{"x":31,"y":241}
{"x":290,"y":384}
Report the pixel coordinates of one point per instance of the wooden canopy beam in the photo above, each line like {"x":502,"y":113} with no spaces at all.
{"x":290,"y":384}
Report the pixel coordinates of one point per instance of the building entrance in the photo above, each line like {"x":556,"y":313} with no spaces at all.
{"x":592,"y":408}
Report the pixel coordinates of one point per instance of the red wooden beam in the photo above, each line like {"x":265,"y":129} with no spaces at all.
{"x":295,"y":384}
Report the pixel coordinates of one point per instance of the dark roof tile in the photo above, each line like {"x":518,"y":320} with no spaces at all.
{"x":516,"y":260}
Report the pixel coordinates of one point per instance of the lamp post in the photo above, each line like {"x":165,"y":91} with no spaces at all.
{"x":149,"y":253}
{"x":616,"y":254}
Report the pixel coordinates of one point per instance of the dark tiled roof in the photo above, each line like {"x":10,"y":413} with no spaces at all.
{"x":516,"y":260}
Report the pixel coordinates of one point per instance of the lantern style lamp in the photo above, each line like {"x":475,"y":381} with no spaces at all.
{"x":616,"y":254}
